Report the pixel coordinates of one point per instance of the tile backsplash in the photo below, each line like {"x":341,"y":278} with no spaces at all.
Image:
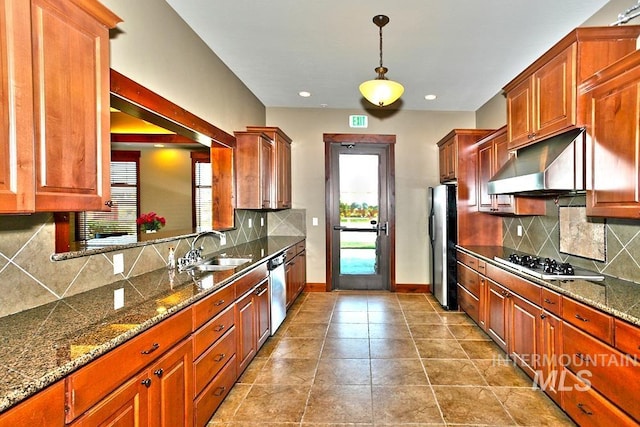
{"x":541,"y":236}
{"x":28,"y":277}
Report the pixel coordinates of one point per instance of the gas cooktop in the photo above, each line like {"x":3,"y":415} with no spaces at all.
{"x":547,"y":268}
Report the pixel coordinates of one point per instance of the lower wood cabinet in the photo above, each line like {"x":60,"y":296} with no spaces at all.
{"x":549,"y":369}
{"x":523,"y":329}
{"x":252,"y":321}
{"x":295,"y":272}
{"x":43,"y":409}
{"x":214,"y":393}
{"x":496,"y":314}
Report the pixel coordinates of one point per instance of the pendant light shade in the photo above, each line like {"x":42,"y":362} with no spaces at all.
{"x":381,"y":91}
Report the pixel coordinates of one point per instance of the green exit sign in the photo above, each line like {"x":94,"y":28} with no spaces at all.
{"x":358,"y":121}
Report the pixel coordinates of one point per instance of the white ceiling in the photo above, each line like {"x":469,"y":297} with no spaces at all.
{"x":464,"y":51}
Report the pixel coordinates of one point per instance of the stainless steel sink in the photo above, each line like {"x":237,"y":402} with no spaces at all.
{"x":220,"y":263}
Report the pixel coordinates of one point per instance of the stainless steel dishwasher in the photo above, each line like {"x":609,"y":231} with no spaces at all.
{"x":278,"y":292}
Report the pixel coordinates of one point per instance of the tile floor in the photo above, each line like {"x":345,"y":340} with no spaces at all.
{"x":382,"y":359}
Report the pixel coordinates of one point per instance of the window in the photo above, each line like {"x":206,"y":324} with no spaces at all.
{"x":202,"y":191}
{"x":119,"y":225}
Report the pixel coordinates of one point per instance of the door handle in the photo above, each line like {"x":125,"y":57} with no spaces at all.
{"x":339,"y":227}
{"x":383,"y":227}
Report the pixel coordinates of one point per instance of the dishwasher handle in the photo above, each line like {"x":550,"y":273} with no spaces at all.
{"x":277,"y":261}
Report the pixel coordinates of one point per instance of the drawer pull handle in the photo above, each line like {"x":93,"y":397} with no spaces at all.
{"x":217,"y":303}
{"x":581,"y":318}
{"x":218,"y":328}
{"x":583,"y":357}
{"x":548,"y":301}
{"x":159,"y":372}
{"x":153,"y":348}
{"x":146,"y":382}
{"x":219,"y":357}
{"x":582,"y":407}
{"x":219,"y":391}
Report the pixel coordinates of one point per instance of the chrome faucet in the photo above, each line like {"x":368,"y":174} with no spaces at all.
{"x":194,"y":255}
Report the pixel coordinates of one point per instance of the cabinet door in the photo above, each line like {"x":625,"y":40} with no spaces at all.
{"x":43,"y":409}
{"x":555,"y":94}
{"x":496,"y":313}
{"x":283,"y":173}
{"x":482,"y":302}
{"x":127,"y":406}
{"x":246,"y":330}
{"x":171,"y":391}
{"x":613,"y":149}
{"x":263,"y":312}
{"x":266,"y":172}
{"x":523,"y":330}
{"x":301,"y":271}
{"x":289,"y":274}
{"x":502,"y":202}
{"x":485,"y":172}
{"x":550,"y":347}
{"x":519,"y":115}
{"x":71,"y":107}
{"x":16,"y":113}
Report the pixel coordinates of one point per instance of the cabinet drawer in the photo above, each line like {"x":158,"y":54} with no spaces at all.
{"x":528,"y":290}
{"x":588,"y":319}
{"x":209,"y":364}
{"x":291,"y":252}
{"x":249,"y":280}
{"x":301,"y":246}
{"x":552,"y":301}
{"x":210,"y":306}
{"x":468,"y":260}
{"x":94,"y":381}
{"x":468,"y":278}
{"x":627,"y":338}
{"x":211,"y":331}
{"x":469,"y":303}
{"x":482,"y":267}
{"x":610,"y":372}
{"x":588,"y":407}
{"x":211,"y":397}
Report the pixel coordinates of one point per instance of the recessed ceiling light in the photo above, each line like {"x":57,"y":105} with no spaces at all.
{"x":304,"y":94}
{"x":430,"y":97}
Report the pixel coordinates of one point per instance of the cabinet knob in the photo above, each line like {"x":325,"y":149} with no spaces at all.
{"x":146,"y":382}
{"x":219,"y":391}
{"x":543,"y":316}
{"x":218,"y":328}
{"x":109,"y":203}
{"x":219,"y":357}
{"x":158,"y":372}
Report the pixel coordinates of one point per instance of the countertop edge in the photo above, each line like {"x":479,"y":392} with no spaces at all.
{"x":612,"y":311}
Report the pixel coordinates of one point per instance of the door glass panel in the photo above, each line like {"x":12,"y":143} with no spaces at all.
{"x":359,"y":199}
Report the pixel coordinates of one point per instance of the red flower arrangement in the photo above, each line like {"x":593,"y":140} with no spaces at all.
{"x":151,"y":221}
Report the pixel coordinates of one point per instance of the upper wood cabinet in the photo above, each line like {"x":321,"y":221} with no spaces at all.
{"x":281,"y":165}
{"x":492,"y":155}
{"x":54,"y":69}
{"x":612,"y":100}
{"x":542,"y":100}
{"x":254,"y":168}
{"x":449,"y":148}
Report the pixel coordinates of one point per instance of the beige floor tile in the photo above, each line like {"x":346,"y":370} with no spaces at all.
{"x":287,"y":371}
{"x":471,"y":405}
{"x":429,"y":331}
{"x":399,"y":405}
{"x":318,"y":305}
{"x":249,"y":375}
{"x":268,"y":347}
{"x":421,"y":304}
{"x":273,"y":403}
{"x":468,"y":332}
{"x":502,"y":373}
{"x":346,"y":348}
{"x":230,"y":404}
{"x":382,"y":304}
{"x":298,"y":348}
{"x":389,"y":330}
{"x":531,"y":407}
{"x":482,"y":349}
{"x":349,"y":303}
{"x":312,"y":316}
{"x":344,"y":371}
{"x":334,"y":403}
{"x":307,"y":330}
{"x":456,"y":318}
{"x":440,"y":349}
{"x":392,"y":348}
{"x":398,"y":372}
{"x":452,"y":372}
{"x":348,"y":330}
{"x":387,"y":317}
{"x":422,"y":317}
{"x":350,"y":316}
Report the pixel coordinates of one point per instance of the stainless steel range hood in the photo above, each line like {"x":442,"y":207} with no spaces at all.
{"x":549,"y":167}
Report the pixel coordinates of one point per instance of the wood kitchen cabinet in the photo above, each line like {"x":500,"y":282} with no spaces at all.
{"x":42,"y":409}
{"x":492,"y":155}
{"x":281,"y":165}
{"x":549,"y":369}
{"x":523,"y":331}
{"x":542,"y":100}
{"x":252,"y":322}
{"x":612,"y":100}
{"x":295,"y":272}
{"x":496,"y":313}
{"x":450,"y":148}
{"x":254,"y":169}
{"x":54,"y":76}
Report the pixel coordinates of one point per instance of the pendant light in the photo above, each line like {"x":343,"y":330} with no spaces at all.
{"x":381,"y":91}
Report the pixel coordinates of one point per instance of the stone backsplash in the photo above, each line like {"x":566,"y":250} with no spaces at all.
{"x":28,"y":277}
{"x":541,"y":236}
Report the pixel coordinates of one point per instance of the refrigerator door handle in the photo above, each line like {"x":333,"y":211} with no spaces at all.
{"x":431,"y":227}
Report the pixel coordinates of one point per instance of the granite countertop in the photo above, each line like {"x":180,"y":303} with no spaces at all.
{"x":620,"y":298}
{"x":44,"y":344}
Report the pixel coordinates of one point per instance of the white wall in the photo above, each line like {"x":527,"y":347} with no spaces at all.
{"x":416,"y":169}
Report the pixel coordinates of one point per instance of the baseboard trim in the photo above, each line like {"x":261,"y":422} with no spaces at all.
{"x":315,"y":287}
{"x":412,"y":288}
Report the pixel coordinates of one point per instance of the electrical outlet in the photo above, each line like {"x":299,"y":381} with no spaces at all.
{"x":314,"y":221}
{"x":261,"y":221}
{"x":118,"y":298}
{"x":250,"y":223}
{"x":519,"y":231}
{"x":223,"y":239}
{"x":118,"y":263}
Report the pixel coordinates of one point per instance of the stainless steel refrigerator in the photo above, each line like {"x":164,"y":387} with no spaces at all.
{"x":443,"y":238}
